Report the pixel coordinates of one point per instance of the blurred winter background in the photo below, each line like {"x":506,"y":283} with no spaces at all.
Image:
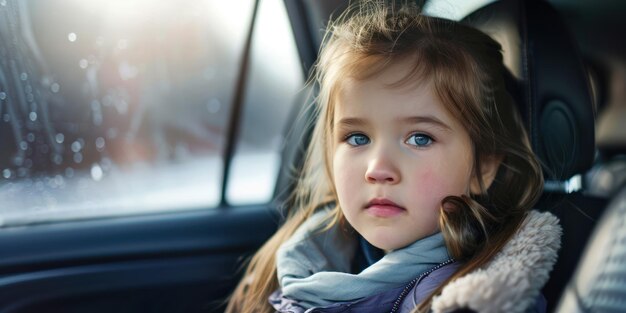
{"x":119,"y":107}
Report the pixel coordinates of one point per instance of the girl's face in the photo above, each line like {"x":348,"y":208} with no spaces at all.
{"x":397,"y":154}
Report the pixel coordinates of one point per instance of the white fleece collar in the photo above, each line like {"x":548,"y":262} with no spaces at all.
{"x":511,"y":282}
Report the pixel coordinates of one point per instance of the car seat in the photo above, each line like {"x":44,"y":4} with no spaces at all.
{"x":555,"y":100}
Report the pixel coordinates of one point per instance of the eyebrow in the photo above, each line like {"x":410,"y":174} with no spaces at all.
{"x":427,"y":119}
{"x":351,"y":121}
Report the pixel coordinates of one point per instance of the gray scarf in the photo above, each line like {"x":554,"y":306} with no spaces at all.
{"x":313,"y":266}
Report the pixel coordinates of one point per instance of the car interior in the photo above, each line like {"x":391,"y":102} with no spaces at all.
{"x":565,"y":59}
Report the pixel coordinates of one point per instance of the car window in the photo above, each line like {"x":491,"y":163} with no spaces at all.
{"x":119,"y":107}
{"x":274,"y":79}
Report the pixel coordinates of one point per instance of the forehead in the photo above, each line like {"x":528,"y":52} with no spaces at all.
{"x":397,"y":86}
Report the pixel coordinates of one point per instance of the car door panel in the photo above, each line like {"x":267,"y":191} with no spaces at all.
{"x":177,"y":262}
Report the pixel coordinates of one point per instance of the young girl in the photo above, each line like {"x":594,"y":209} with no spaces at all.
{"x":418,"y":183}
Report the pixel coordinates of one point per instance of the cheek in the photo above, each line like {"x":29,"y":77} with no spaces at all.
{"x":345,"y":181}
{"x":343,"y":174}
{"x":434,"y":184}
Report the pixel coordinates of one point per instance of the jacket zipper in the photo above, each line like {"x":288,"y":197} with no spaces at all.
{"x":404,"y":293}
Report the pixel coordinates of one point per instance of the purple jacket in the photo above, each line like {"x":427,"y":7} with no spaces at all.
{"x":399,"y":300}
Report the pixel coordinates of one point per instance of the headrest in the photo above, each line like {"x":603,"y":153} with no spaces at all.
{"x":556,"y":102}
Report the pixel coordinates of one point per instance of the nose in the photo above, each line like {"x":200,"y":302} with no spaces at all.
{"x":381,"y":170}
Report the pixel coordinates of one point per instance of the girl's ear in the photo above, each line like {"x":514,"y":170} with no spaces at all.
{"x":489,"y":169}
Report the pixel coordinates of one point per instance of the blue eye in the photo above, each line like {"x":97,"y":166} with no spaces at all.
{"x":420,"y":140}
{"x":357,"y":140}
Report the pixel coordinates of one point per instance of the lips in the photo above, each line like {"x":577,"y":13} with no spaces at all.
{"x":381,"y":207}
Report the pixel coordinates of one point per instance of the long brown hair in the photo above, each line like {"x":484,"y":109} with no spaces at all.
{"x":466,"y":71}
